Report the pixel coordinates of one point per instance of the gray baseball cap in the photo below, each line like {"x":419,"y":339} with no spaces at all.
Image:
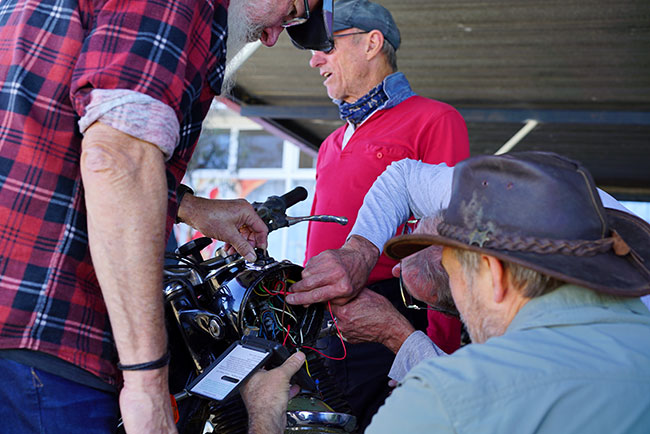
{"x":367,"y":16}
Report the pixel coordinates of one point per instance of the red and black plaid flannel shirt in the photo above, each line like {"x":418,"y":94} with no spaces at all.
{"x":52,"y":54}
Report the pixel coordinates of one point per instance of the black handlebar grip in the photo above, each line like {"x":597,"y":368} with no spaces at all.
{"x":296,"y":195}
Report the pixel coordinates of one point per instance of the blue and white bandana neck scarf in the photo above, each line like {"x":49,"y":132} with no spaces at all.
{"x":356,"y":112}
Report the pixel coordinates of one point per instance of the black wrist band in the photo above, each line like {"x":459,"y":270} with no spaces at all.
{"x":180,"y":192}
{"x":147,"y":366}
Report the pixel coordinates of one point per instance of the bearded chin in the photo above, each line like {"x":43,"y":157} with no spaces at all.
{"x":482,"y":323}
{"x":241,"y":30}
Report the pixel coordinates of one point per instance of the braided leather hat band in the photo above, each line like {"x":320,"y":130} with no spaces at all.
{"x":518,"y":243}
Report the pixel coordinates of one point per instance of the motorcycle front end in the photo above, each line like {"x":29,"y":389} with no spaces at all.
{"x":214,"y":302}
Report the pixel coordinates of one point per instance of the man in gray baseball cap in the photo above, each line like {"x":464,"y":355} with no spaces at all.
{"x":385,"y":121}
{"x":315,"y":33}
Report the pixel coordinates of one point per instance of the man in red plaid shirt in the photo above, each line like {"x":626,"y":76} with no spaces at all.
{"x":101,"y":104}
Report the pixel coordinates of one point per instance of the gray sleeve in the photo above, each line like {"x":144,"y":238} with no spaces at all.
{"x":415,"y":348}
{"x":405,"y":187}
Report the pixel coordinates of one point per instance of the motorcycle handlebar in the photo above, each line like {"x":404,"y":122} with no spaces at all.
{"x":294,"y":196}
{"x":273,"y":210}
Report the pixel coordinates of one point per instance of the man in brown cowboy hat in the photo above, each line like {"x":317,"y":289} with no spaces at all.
{"x":547,"y":280}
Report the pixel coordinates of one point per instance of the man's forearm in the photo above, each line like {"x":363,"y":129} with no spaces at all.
{"x":126,"y":200}
{"x":399,"y":334}
{"x":367,"y":256}
{"x":266,"y":425}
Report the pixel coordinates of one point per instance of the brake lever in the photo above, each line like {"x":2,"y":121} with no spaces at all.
{"x":282,"y":221}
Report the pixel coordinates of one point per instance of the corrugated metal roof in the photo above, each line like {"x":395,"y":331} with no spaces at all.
{"x":582,"y":65}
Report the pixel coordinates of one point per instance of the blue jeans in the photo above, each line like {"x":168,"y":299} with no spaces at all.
{"x":34,"y":401}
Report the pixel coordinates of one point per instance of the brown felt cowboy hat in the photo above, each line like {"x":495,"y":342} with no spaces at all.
{"x":541,"y":210}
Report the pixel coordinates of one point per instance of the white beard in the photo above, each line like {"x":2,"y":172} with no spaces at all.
{"x":241,"y":30}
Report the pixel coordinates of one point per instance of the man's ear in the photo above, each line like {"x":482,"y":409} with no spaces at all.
{"x":499,"y":277}
{"x":375,"y":43}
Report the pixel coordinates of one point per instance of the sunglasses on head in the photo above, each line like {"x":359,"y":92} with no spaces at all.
{"x":295,"y":21}
{"x":315,"y":31}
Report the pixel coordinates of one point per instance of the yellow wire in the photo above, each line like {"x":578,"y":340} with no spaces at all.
{"x":307,"y":367}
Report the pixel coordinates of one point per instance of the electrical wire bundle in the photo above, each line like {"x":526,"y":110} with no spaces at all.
{"x":282,"y":322}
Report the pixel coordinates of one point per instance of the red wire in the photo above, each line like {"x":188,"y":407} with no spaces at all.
{"x":282,"y":287}
{"x":286,"y":335}
{"x":281,"y":292}
{"x":264,"y":288}
{"x":329,"y":306}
